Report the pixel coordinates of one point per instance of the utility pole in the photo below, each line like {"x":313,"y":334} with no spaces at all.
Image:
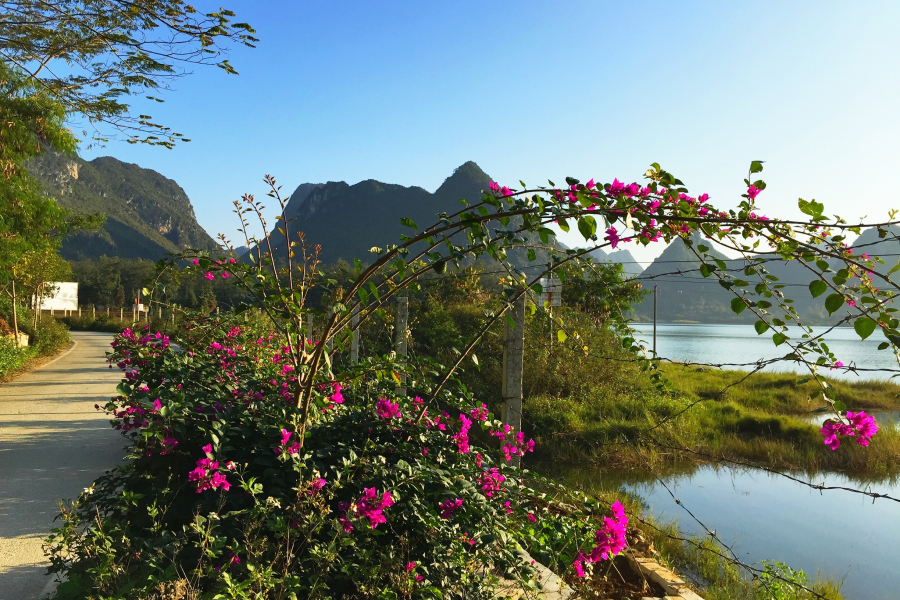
{"x":513,"y":367}
{"x":400,"y":345}
{"x":550,"y":306}
{"x":655,"y":294}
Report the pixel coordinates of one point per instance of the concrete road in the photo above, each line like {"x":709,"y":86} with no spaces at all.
{"x":53,"y":444}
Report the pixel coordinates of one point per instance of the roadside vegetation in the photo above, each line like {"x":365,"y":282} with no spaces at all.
{"x":589,"y":400}
{"x":46,"y":340}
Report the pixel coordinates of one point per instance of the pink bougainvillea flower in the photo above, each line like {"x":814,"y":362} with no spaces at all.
{"x":316,"y":486}
{"x":864,"y":425}
{"x":531,"y":517}
{"x":387,"y":409}
{"x":590,"y":184}
{"x":157,"y":405}
{"x":370,"y":506}
{"x":612,"y":236}
{"x":209,"y":275}
{"x":494,"y":186}
{"x":609,"y":541}
{"x":753,"y":192}
{"x":225,"y":275}
{"x":410,"y":566}
{"x":448,"y":507}
{"x":616,"y":187}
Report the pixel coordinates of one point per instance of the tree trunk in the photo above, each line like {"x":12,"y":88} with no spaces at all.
{"x":15,"y":314}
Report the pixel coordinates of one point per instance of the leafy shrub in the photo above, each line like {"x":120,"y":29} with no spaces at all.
{"x":220,"y":497}
{"x":51,"y":336}
{"x":11,"y":357}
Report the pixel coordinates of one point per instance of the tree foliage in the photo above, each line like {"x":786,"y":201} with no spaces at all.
{"x":91,"y":55}
{"x":30,"y":121}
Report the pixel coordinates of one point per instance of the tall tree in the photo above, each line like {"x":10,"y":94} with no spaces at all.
{"x":91,"y":55}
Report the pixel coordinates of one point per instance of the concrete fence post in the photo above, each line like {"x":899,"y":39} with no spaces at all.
{"x":354,"y":341}
{"x":400,"y":342}
{"x":513,"y":367}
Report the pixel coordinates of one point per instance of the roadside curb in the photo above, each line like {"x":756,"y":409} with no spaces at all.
{"x":674,"y":586}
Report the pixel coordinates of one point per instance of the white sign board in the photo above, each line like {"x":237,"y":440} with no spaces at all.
{"x":60,"y":295}
{"x":552,"y":293}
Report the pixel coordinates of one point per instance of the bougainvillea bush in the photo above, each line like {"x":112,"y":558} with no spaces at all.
{"x":264,"y":464}
{"x":219,"y":497}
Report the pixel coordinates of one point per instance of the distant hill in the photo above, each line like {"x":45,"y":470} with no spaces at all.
{"x":684,"y":294}
{"x":349,"y":220}
{"x":690,"y":297}
{"x":630,"y":267}
{"x":147,"y":214}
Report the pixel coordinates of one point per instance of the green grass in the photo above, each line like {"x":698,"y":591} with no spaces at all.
{"x":753,"y":421}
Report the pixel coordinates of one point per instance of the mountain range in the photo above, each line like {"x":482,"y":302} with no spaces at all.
{"x":347,"y":221}
{"x":150,"y":216}
{"x":147,"y":215}
{"x":685,"y":295}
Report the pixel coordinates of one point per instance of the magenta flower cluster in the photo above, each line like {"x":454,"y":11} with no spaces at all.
{"x":516,"y":446}
{"x":370,"y":506}
{"x":862,"y":427}
{"x":609,"y":541}
{"x":285,"y":438}
{"x":387,"y":409}
{"x":448,"y":507}
{"x":316,"y":486}
{"x":491,"y":482}
{"x":207,"y":475}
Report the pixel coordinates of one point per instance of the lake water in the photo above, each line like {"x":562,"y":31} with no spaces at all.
{"x":843,"y":535}
{"x":739,"y":344}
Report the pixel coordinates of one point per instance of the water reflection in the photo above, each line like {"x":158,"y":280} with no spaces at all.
{"x":717,"y":344}
{"x":844,"y":535}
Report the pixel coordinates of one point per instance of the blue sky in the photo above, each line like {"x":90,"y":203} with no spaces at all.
{"x":404,"y":92}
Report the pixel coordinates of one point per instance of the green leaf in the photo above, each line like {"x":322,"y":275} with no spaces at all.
{"x":756,"y":166}
{"x":702,"y":248}
{"x":532,"y":255}
{"x":764,"y":304}
{"x":864,"y":326}
{"x":824,"y":266}
{"x":545,"y":234}
{"x":840,"y":406}
{"x":409,"y":223}
{"x":779,"y":339}
{"x":587,"y":226}
{"x":561,"y":336}
{"x":894,"y":269}
{"x":760,"y":327}
{"x":883,"y":345}
{"x":738,"y":305}
{"x":833,"y":303}
{"x":817,"y":287}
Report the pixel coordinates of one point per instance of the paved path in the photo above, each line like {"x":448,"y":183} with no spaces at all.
{"x":53,"y":444}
